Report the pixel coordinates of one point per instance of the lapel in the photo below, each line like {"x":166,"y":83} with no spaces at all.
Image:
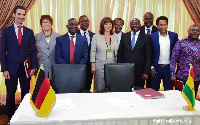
{"x":171,"y":41}
{"x":13,"y":34}
{"x":78,"y":42}
{"x":43,"y":39}
{"x":157,"y":44}
{"x":139,"y":40}
{"x":128,"y":39}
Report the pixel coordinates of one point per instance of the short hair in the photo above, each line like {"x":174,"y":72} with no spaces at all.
{"x":70,"y":19}
{"x":161,"y":18}
{"x":119,"y":19}
{"x":148,"y":13}
{"x":82,"y":16}
{"x":103,"y":21}
{"x":48,"y":17}
{"x":18,"y":7}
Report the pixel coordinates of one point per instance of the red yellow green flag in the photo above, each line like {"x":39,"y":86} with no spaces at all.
{"x":188,"y":90}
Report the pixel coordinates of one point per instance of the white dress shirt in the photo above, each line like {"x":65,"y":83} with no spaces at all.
{"x":148,"y":28}
{"x":86,"y":34}
{"x":164,"y":49}
{"x":74,"y":39}
{"x":136,"y":35}
{"x":119,"y":35}
{"x":16,"y":29}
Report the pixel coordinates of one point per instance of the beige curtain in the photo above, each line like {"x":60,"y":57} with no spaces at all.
{"x":6,"y":10}
{"x":193,"y":7}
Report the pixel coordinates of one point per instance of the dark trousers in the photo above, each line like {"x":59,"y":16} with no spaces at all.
{"x":196,"y":85}
{"x":164,"y":74}
{"x":148,"y":82}
{"x":139,"y":82}
{"x":89,"y":77}
{"x":11,"y":87}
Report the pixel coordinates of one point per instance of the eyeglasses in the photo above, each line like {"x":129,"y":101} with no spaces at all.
{"x":46,"y":22}
{"x":85,"y":21}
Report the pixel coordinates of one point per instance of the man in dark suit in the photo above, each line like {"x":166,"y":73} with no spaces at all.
{"x":71,"y":48}
{"x":136,"y":47}
{"x":84,"y":24}
{"x":118,"y":23}
{"x":148,"y":28}
{"x":163,"y":42}
{"x":17,"y":45}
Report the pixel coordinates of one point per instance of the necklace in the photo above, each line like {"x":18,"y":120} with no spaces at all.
{"x":47,"y":35}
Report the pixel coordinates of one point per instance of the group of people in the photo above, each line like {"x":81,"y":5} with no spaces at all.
{"x":154,"y":50}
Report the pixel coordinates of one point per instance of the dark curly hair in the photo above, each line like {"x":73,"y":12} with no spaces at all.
{"x":103,"y":21}
{"x":161,"y":18}
{"x":47,"y":17}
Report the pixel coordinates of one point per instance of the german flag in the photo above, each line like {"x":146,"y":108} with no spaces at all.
{"x":43,"y":97}
{"x":188,"y":90}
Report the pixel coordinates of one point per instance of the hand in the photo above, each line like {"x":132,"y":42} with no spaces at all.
{"x":153,"y":72}
{"x":6,"y":75}
{"x":93,"y":68}
{"x":173,"y":79}
{"x":32,"y":72}
{"x":145,"y":76}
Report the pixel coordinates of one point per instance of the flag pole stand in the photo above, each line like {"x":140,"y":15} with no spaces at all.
{"x":187,"y":108}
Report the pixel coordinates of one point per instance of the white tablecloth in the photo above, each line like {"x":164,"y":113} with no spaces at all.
{"x":125,"y":108}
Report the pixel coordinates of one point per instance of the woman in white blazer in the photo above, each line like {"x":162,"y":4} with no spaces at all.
{"x":45,"y":44}
{"x":104,"y":49}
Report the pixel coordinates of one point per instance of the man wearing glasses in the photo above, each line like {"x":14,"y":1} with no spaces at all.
{"x":84,"y":24}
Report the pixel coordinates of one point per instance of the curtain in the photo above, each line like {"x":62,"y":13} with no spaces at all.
{"x":62,"y":10}
{"x":193,"y":7}
{"x":6,"y":10}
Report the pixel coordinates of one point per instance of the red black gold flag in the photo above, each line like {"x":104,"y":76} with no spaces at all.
{"x":43,"y":97}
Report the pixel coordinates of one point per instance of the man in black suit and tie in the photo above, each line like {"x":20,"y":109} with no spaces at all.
{"x":136,"y":47}
{"x":118,"y":23}
{"x":148,"y":26}
{"x":84,"y":24}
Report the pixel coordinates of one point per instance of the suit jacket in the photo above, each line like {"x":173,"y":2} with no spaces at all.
{"x":62,"y":49}
{"x":13,"y":55}
{"x":154,"y":29}
{"x":141,"y":55}
{"x":156,"y":45}
{"x":46,"y":51}
{"x":89,"y":47}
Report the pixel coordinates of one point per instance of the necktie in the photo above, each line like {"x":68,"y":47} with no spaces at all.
{"x":133,"y":41}
{"x":148,"y":31}
{"x":72,"y":50}
{"x":86,"y":38}
{"x":19,"y":34}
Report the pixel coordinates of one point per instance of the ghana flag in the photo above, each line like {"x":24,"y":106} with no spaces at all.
{"x":188,"y":90}
{"x":43,"y":97}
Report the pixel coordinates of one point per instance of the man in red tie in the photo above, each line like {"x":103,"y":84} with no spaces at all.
{"x":17,"y":45}
{"x":71,"y":48}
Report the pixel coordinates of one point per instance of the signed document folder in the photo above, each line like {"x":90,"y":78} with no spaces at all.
{"x":27,"y":65}
{"x":149,"y":93}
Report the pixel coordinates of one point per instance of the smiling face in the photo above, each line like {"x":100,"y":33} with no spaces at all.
{"x":46,"y":25}
{"x":118,"y":25}
{"x":84,"y":23}
{"x":148,"y":20}
{"x":135,"y":25}
{"x":194,"y":32}
{"x":162,"y":27}
{"x":72,"y":26}
{"x":108,"y":27}
{"x":19,"y":16}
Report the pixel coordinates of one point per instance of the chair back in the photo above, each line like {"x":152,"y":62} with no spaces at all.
{"x":68,"y":78}
{"x":119,"y":77}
